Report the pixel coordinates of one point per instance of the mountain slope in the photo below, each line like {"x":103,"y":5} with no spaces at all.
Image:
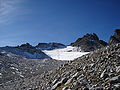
{"x":26,"y":50}
{"x":99,"y":70}
{"x":13,"y":67}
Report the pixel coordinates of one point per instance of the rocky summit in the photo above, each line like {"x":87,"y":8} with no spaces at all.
{"x":89,"y":42}
{"x":115,"y":38}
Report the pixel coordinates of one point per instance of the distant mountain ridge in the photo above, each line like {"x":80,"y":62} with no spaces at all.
{"x":33,"y":52}
{"x":27,"y":51}
{"x":49,"y":46}
{"x":87,"y":43}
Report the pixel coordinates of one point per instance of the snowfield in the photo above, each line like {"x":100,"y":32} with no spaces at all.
{"x":68,"y":53}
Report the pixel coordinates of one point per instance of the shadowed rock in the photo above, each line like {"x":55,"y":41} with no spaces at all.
{"x":89,"y":42}
{"x":115,"y":38}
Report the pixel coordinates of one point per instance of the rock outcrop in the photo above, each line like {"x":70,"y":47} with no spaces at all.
{"x":89,"y":42}
{"x":115,"y":38}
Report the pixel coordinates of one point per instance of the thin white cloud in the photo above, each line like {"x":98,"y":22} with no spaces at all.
{"x":9,"y":9}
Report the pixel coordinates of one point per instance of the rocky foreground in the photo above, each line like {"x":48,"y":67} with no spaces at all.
{"x":99,"y":70}
{"x":15,"y":69}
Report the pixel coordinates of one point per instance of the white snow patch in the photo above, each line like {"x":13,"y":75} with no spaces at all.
{"x":0,"y":75}
{"x":68,"y":53}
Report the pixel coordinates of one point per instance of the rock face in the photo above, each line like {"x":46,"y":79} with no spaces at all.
{"x":50,"y":46}
{"x":89,"y":42}
{"x":115,"y":38}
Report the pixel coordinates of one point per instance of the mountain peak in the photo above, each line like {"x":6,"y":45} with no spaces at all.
{"x":117,"y":33}
{"x":115,"y":38}
{"x":89,"y":42}
{"x":90,"y":37}
{"x":27,"y":45}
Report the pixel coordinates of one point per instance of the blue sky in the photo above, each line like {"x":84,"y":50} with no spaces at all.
{"x":61,"y":21}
